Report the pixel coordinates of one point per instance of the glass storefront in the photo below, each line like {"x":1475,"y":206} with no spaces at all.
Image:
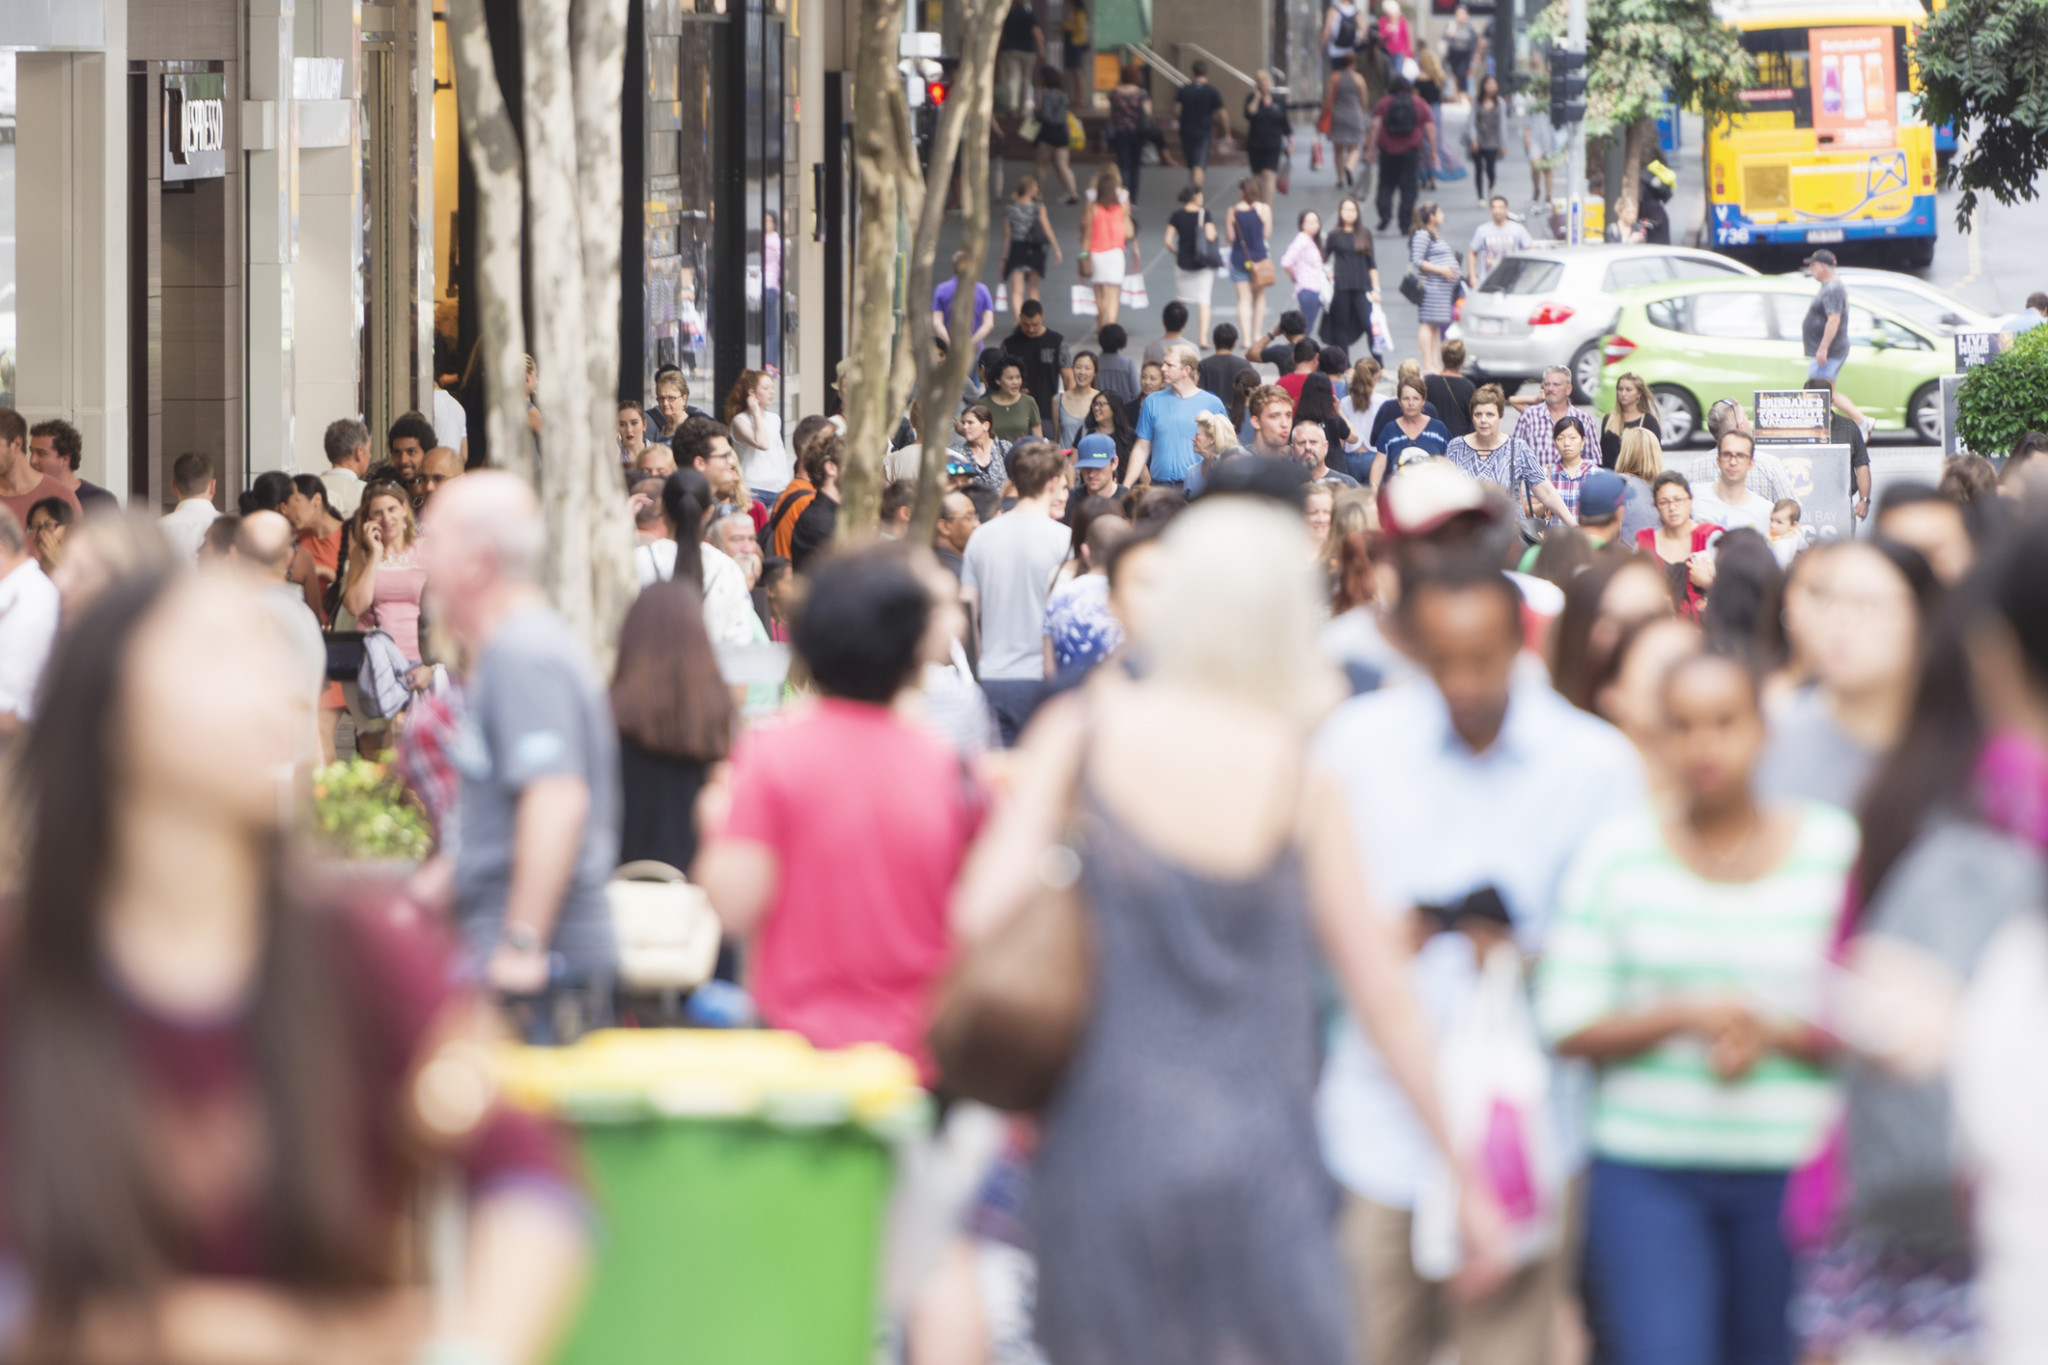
{"x":7,"y":296}
{"x":683,"y":168}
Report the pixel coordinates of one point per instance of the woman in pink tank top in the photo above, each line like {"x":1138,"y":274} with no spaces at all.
{"x":385,"y":581}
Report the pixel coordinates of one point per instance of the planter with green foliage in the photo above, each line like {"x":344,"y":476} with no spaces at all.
{"x":2004,"y":399}
{"x":363,"y":813}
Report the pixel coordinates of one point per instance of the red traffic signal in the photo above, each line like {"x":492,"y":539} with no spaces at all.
{"x":935,"y":94}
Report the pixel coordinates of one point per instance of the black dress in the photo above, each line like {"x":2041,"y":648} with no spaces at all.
{"x":659,"y":816}
{"x":1349,"y":315}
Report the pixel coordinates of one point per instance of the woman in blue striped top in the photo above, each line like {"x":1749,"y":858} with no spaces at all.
{"x":1688,"y":953}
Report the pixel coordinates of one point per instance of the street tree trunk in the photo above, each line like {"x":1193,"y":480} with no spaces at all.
{"x":1642,"y":136}
{"x":877,"y":99}
{"x":494,"y":159}
{"x":965,"y":125}
{"x":598,"y":57}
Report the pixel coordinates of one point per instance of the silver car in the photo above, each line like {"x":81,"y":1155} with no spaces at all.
{"x":1915,"y":300}
{"x":1553,"y":305}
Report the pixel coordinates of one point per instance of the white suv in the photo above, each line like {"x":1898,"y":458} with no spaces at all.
{"x":1553,"y":305}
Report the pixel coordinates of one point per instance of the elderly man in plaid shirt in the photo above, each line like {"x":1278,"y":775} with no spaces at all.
{"x":1537,"y":427}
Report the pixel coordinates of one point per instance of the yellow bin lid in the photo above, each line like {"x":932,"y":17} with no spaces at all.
{"x":623,"y":1075}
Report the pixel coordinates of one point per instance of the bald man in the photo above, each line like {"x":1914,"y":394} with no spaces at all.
{"x":539,"y":804}
{"x":264,"y":544}
{"x":656,"y":461}
{"x":440,"y":465}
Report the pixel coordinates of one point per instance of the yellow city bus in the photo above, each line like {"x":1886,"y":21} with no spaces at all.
{"x":1831,"y":148}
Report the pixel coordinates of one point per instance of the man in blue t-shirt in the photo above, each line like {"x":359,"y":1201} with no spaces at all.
{"x":1166,"y":424}
{"x":942,"y":307}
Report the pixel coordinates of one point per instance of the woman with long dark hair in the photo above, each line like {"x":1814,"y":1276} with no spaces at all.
{"x":1107,"y":417}
{"x":221,"y":1091}
{"x":1319,"y":405}
{"x":1354,"y":277}
{"x":674,"y":715}
{"x":1952,"y":854}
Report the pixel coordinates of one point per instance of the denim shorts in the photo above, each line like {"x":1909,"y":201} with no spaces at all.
{"x":1816,"y":368}
{"x":1240,"y":273}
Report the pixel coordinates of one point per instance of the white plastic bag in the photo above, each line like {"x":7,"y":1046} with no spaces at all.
{"x":1082,"y":301}
{"x":1382,"y":339}
{"x":1002,"y":297}
{"x":1494,"y":1083}
{"x":1133,"y":293}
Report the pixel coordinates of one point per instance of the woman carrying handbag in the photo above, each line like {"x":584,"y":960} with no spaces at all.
{"x":1179,"y":1204}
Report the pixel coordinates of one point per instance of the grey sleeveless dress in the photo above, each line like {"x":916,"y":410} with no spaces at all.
{"x":1179,"y":1204}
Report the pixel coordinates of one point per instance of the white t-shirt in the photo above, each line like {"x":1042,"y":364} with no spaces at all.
{"x":767,"y":466}
{"x":28,"y":625}
{"x":729,"y":617}
{"x":451,"y":423}
{"x":1492,"y":243}
{"x":1010,"y":563}
{"x":1729,"y":516}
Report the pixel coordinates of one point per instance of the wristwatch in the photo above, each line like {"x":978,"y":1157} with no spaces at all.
{"x":521,"y":937}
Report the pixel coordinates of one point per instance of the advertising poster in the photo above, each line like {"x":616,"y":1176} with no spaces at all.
{"x":1854,"y":96}
{"x":1980,"y":348}
{"x":1791,"y":416}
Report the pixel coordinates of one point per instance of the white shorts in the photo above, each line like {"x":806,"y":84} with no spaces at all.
{"x":1195,"y":288}
{"x":1109,"y":267}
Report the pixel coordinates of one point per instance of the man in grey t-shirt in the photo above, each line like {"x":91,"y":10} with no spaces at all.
{"x":538,"y":812}
{"x":1825,"y":332}
{"x":1006,"y":573}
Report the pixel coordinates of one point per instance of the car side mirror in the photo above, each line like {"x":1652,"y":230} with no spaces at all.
{"x":1951,"y":320}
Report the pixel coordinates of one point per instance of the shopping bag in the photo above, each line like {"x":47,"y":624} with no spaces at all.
{"x":1285,"y":177}
{"x":1082,"y":304}
{"x":1382,"y":339}
{"x":1133,"y":293}
{"x":1315,"y":155}
{"x":1002,"y":298}
{"x":1077,"y":136}
{"x":1494,"y":1082}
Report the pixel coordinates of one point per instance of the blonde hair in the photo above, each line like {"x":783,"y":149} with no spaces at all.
{"x":1239,"y":607}
{"x":1642,"y":454}
{"x":1411,"y":368}
{"x":1217,"y":428}
{"x":1185,"y":353}
{"x":1614,"y":417}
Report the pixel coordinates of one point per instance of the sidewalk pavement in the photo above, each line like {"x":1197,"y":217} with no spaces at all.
{"x":1315,"y":189}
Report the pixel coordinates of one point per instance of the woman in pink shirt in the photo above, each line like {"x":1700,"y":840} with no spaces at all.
{"x":385,"y":582}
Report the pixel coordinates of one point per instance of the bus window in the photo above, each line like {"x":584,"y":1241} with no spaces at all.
{"x":1784,"y":74}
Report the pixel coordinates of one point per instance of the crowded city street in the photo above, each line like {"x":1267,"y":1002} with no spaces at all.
{"x":1023,"y":682}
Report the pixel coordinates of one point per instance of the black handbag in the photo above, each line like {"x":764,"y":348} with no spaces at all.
{"x":1411,"y":288}
{"x":344,"y":655}
{"x":1212,"y":247}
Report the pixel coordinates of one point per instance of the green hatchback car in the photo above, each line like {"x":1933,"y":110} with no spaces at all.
{"x":1695,"y":341}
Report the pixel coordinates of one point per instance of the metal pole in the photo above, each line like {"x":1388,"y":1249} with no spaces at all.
{"x":1575,"y":146}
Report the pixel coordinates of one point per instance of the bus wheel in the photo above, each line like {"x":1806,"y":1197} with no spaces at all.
{"x":1678,"y":413}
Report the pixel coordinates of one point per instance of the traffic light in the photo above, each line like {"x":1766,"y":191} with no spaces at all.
{"x":1567,"y":87}
{"x":935,"y":93}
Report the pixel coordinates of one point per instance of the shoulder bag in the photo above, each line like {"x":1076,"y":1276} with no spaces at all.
{"x":1261,"y":272}
{"x":1012,"y":1012}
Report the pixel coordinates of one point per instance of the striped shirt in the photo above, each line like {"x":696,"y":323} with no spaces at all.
{"x":1638,"y":928}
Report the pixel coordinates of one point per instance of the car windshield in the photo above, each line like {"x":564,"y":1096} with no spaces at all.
{"x":1931,"y":312}
{"x":1523,"y":275}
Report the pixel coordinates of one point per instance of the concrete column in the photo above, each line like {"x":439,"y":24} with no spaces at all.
{"x":271,"y":30}
{"x":801,"y":225}
{"x":71,"y":245}
{"x":327,"y":280}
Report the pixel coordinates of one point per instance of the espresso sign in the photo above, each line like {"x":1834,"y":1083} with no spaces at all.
{"x":195,"y":127}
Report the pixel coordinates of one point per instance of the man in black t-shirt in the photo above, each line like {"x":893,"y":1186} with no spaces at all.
{"x":1047,"y":363}
{"x":1201,"y":119}
{"x":1277,"y":348}
{"x":1844,"y":431}
{"x":1218,"y":373}
{"x":1020,"y":52}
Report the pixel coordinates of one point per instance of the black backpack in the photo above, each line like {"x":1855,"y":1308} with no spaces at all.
{"x":1347,"y":32}
{"x":1401,"y":120}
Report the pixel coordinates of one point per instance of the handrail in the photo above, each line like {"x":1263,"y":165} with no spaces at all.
{"x":1157,"y":63}
{"x":1248,"y":82}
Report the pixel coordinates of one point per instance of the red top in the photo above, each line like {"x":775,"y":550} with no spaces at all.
{"x":1646,"y":540}
{"x":46,"y":487}
{"x":869,"y":816}
{"x":203,"y":1113}
{"x":1292,"y":383}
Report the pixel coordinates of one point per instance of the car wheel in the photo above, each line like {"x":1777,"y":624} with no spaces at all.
{"x":1586,"y":372}
{"x":1924,"y":414}
{"x":1678,"y":413}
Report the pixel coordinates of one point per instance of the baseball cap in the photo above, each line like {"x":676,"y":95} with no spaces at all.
{"x":1601,"y":495}
{"x":1428,"y":494}
{"x":1821,"y":257}
{"x":1094,"y":451}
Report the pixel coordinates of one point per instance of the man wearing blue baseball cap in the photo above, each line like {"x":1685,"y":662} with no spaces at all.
{"x":1603,"y":497}
{"x":1095,"y":461}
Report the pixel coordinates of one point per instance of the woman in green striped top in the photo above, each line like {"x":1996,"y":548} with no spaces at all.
{"x":1689,"y":949}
